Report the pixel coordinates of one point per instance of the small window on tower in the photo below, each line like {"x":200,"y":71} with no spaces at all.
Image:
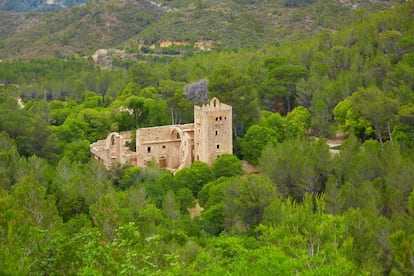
{"x":216,"y":118}
{"x":218,"y":146}
{"x":163,"y":146}
{"x":216,"y":132}
{"x":149,"y":149}
{"x":220,"y":118}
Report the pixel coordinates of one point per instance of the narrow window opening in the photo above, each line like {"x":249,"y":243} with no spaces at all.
{"x":149,"y":149}
{"x":220,"y":118}
{"x":218,"y":146}
{"x":216,"y":132}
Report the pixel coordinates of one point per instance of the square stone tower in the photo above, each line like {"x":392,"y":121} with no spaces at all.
{"x":213,"y":134}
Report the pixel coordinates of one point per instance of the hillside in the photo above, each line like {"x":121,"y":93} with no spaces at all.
{"x":12,"y":23}
{"x":230,"y":24}
{"x":37,"y":5}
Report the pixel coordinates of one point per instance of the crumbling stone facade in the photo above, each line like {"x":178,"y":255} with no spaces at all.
{"x":175,"y":146}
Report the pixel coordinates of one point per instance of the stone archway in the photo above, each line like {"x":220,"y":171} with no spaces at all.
{"x":185,"y":146}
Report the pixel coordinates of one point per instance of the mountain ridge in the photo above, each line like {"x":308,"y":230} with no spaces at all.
{"x":109,"y":24}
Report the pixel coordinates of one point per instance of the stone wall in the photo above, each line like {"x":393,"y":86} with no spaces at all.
{"x":168,"y":146}
{"x":114,"y":149}
{"x":175,"y":146}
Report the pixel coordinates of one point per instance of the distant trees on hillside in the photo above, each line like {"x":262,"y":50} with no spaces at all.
{"x":296,"y":3}
{"x":36,"y":5}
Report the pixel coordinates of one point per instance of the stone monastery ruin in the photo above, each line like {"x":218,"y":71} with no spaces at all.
{"x":175,"y":146}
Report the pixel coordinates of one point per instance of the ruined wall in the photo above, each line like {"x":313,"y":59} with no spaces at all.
{"x":166,"y":145}
{"x":114,"y":149}
{"x":175,"y":146}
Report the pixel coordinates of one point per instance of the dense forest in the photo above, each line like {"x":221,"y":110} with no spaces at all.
{"x":306,"y":211}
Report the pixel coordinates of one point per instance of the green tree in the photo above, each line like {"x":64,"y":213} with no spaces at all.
{"x":402,"y":246}
{"x":185,"y":199}
{"x":349,"y":121}
{"x":9,"y":157}
{"x":297,"y":166}
{"x":142,"y":74}
{"x":377,"y":107}
{"x":370,"y":239}
{"x":296,"y":3}
{"x":245,"y":201}
{"x":39,"y":207}
{"x":300,"y":117}
{"x":16,"y":239}
{"x":170,"y":206}
{"x":254,"y":141}
{"x":35,"y":167}
{"x":317,"y":241}
{"x":105,"y":215}
{"x":66,"y":181}
{"x":95,"y":183}
{"x":227,"y":165}
{"x":157,"y":112}
{"x":131,"y":176}
{"x":212,"y":219}
{"x":193,"y":177}
{"x":281,"y":83}
{"x":140,"y":112}
{"x":136,"y":199}
{"x":234,"y":88}
{"x":179,"y":108}
{"x":97,"y":123}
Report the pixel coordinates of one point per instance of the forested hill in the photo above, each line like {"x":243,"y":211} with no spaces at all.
{"x":36,"y":5}
{"x":107,"y":24}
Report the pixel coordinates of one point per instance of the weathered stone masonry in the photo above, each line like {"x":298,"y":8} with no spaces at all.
{"x":175,"y":146}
